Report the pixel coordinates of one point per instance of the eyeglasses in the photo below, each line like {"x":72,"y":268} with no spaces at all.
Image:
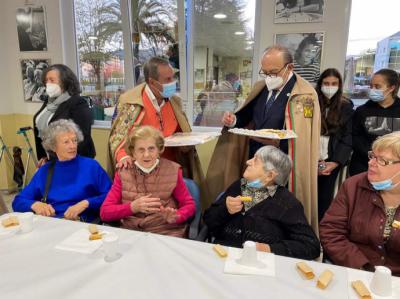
{"x":275,"y":74}
{"x":380,"y":160}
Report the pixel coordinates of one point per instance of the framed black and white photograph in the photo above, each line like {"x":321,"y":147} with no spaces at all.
{"x":299,"y":11}
{"x":31,"y":27}
{"x":31,"y":71}
{"x":306,"y":49}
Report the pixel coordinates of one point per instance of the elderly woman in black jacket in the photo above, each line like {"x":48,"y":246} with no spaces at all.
{"x":63,"y":102}
{"x":274,"y":218}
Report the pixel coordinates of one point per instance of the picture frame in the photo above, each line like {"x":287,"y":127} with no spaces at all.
{"x":307,"y":51}
{"x":31,"y":73}
{"x":31,"y":28}
{"x":299,"y":11}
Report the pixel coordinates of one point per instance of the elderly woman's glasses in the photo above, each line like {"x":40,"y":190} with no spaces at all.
{"x":380,"y":160}
{"x":271,"y":74}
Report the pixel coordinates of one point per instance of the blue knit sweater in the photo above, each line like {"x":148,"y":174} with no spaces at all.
{"x":73,"y":181}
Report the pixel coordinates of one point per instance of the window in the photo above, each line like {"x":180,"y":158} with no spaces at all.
{"x":370,"y":47}
{"x":101,"y":53}
{"x":223,"y":38}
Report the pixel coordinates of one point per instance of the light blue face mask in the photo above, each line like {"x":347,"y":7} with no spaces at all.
{"x":257,"y":184}
{"x":385,"y":184}
{"x":376,"y":95}
{"x":169,"y":89}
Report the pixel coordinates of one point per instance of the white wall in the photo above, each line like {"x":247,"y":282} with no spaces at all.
{"x":335,"y":25}
{"x":10,"y":56}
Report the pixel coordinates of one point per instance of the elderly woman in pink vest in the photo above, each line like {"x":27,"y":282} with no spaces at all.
{"x":152,"y":195}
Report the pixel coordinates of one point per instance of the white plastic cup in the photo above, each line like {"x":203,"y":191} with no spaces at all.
{"x":381,"y":283}
{"x":26,"y":222}
{"x":110,"y":247}
{"x":249,"y":254}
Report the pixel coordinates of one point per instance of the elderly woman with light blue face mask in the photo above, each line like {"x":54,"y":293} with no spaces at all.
{"x":361,"y":229}
{"x":259,"y":208}
{"x":377,"y":117}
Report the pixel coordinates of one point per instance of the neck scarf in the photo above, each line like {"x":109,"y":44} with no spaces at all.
{"x":257,"y":194}
{"x":42,"y":121}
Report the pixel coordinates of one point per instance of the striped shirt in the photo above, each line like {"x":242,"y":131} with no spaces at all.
{"x":308,"y":72}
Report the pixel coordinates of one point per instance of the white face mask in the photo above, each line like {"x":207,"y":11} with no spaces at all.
{"x":329,"y":91}
{"x":53,"y":90}
{"x":147,"y":170}
{"x":274,"y":82}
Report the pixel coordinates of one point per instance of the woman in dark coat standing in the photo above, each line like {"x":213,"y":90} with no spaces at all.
{"x":336,"y":139}
{"x":63,"y":102}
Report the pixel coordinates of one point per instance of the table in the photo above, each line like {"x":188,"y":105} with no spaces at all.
{"x":152,"y":266}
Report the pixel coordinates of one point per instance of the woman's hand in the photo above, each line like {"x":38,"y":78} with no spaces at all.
{"x":263,"y":247}
{"x":234,"y":204}
{"x":146,"y":204}
{"x":169,"y":214}
{"x":329,"y":167}
{"x":43,"y":209}
{"x":73,"y":212}
{"x":125,"y":163}
{"x":41,"y":162}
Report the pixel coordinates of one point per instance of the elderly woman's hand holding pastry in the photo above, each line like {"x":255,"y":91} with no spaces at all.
{"x":234,"y":204}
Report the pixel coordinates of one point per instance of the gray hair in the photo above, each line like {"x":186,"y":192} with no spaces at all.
{"x":150,"y":68}
{"x":287,"y":56}
{"x":274,"y":159}
{"x":55,"y":128}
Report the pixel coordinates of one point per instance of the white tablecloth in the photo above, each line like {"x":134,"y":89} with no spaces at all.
{"x":151,"y":266}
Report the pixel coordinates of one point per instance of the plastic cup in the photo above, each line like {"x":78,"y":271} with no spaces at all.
{"x":26,"y":222}
{"x":381,"y":283}
{"x":110,"y":247}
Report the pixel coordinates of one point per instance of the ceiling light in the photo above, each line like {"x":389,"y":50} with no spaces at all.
{"x":239,"y":33}
{"x":92,"y":37}
{"x":250,"y":42}
{"x":220,"y":16}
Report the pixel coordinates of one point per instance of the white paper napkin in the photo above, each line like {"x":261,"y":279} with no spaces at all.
{"x":366,"y":277}
{"x":232,"y":267}
{"x":79,"y":242}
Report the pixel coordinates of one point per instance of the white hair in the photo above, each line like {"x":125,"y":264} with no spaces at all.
{"x":55,"y":128}
{"x":274,"y":159}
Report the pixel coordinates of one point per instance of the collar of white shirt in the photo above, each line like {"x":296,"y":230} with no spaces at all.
{"x":153,"y":99}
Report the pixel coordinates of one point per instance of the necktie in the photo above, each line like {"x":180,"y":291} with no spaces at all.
{"x":270,"y":101}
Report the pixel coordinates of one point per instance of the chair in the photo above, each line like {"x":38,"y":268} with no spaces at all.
{"x":203,"y":234}
{"x":194,"y":226}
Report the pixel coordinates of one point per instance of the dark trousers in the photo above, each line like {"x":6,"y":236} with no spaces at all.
{"x":326,"y":186}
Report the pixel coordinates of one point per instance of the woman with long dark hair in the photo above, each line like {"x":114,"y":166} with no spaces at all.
{"x":63,"y":102}
{"x":336,"y":139}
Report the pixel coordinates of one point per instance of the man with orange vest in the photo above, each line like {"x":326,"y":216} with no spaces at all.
{"x":153,"y":103}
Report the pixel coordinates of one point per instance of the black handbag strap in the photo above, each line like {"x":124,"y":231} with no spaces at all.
{"x":48,"y":180}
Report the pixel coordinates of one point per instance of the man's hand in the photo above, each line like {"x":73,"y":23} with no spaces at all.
{"x":267,"y":141}
{"x":146,"y":204}
{"x":170,"y":215}
{"x":125,"y":163}
{"x":73,"y":212}
{"x":44,"y":209}
{"x":234,"y":204}
{"x":228,"y":119}
{"x":329,"y":167}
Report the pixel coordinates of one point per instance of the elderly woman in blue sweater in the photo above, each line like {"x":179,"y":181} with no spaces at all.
{"x":77,"y":185}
